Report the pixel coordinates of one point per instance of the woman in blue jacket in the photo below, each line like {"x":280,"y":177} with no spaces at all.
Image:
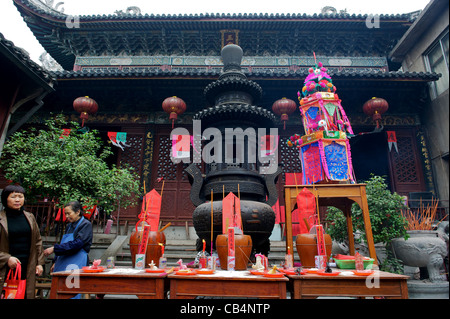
{"x":76,"y":242}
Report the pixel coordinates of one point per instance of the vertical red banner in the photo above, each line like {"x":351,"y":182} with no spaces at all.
{"x":231,"y":212}
{"x":231,"y":249}
{"x":144,"y":240}
{"x":151,"y":209}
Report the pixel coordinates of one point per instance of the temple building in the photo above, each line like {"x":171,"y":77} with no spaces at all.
{"x":130,"y":62}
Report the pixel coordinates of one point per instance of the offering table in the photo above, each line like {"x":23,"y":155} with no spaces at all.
{"x":226,"y":284}
{"x":121,"y":281}
{"x":378,"y":284}
{"x":341,"y":196}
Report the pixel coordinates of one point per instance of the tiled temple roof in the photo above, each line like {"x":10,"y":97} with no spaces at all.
{"x":213,"y":74}
{"x":163,"y":33}
{"x":22,"y":57}
{"x":40,"y":8}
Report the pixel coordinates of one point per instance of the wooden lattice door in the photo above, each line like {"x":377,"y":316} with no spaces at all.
{"x":289,"y":160}
{"x":132,"y":155}
{"x":405,"y":165}
{"x":176,"y":203}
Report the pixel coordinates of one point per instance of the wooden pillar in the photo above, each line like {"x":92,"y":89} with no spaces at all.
{"x":7,"y":100}
{"x":367,"y":224}
{"x":288,"y":221}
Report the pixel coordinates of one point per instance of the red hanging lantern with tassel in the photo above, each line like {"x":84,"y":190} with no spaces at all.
{"x":174,"y":106}
{"x":85,"y":106}
{"x":284,"y":107}
{"x":375,"y":107}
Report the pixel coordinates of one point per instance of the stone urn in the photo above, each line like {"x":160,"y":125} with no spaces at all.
{"x":424,"y":248}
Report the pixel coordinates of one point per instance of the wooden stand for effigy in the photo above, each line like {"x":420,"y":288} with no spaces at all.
{"x":341,"y":196}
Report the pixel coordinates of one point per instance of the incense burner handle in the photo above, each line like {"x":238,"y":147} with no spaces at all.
{"x":196,"y":181}
{"x":270,"y":181}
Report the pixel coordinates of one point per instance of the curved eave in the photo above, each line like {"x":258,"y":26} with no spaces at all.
{"x":213,"y":74}
{"x":53,"y":15}
{"x":23,"y":62}
{"x":33,"y":17}
{"x":209,"y":20}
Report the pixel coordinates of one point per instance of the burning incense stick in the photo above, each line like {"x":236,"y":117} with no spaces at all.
{"x":316,"y":194}
{"x":240,"y":212}
{"x":296,"y":184}
{"x":162,"y":188}
{"x":165,"y":227}
{"x":212,"y":210}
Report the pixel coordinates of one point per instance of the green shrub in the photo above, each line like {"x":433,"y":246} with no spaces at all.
{"x":73,"y":167}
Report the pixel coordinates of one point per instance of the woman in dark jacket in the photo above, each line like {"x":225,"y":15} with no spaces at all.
{"x":76,"y":242}
{"x":20,"y":239}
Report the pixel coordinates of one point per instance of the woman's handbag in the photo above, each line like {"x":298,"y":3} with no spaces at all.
{"x":14,"y":287}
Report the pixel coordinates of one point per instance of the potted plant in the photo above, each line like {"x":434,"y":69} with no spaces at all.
{"x":66,"y":167}
{"x":385,"y":210}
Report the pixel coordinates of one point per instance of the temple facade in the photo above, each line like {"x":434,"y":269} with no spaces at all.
{"x":130,"y":62}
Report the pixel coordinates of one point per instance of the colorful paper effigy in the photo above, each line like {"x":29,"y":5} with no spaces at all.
{"x":324,"y":149}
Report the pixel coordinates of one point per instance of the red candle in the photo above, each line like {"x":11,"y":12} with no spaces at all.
{"x":204,"y":245}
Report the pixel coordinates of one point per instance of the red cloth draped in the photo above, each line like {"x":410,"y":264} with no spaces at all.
{"x":151,"y":209}
{"x":306,"y":205}
{"x":231,"y":212}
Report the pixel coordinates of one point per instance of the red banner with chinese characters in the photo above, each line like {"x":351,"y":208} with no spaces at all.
{"x":151,"y":209}
{"x":392,"y":140}
{"x":231,"y":212}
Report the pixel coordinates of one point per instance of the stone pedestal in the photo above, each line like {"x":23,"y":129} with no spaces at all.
{"x":422,"y":289}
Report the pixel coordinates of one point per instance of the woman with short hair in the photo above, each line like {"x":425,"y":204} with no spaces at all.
{"x":75,"y":243}
{"x":20,"y":239}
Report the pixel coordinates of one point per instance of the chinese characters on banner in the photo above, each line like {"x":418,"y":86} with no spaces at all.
{"x":392,"y":140}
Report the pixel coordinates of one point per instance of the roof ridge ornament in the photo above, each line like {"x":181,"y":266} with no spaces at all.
{"x":49,"y":5}
{"x":329,"y":10}
{"x":133,"y":10}
{"x":48,"y":63}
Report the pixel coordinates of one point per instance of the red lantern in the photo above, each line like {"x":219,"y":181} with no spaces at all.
{"x":85,"y":105}
{"x":284,"y":107}
{"x":174,"y":106}
{"x":375,"y":107}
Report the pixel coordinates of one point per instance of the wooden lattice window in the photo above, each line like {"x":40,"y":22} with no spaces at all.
{"x":404,"y":161}
{"x":132,"y":155}
{"x":289,"y":158}
{"x":166,"y":168}
{"x":405,"y":165}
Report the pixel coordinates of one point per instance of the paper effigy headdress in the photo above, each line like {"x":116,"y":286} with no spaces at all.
{"x":318,"y":80}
